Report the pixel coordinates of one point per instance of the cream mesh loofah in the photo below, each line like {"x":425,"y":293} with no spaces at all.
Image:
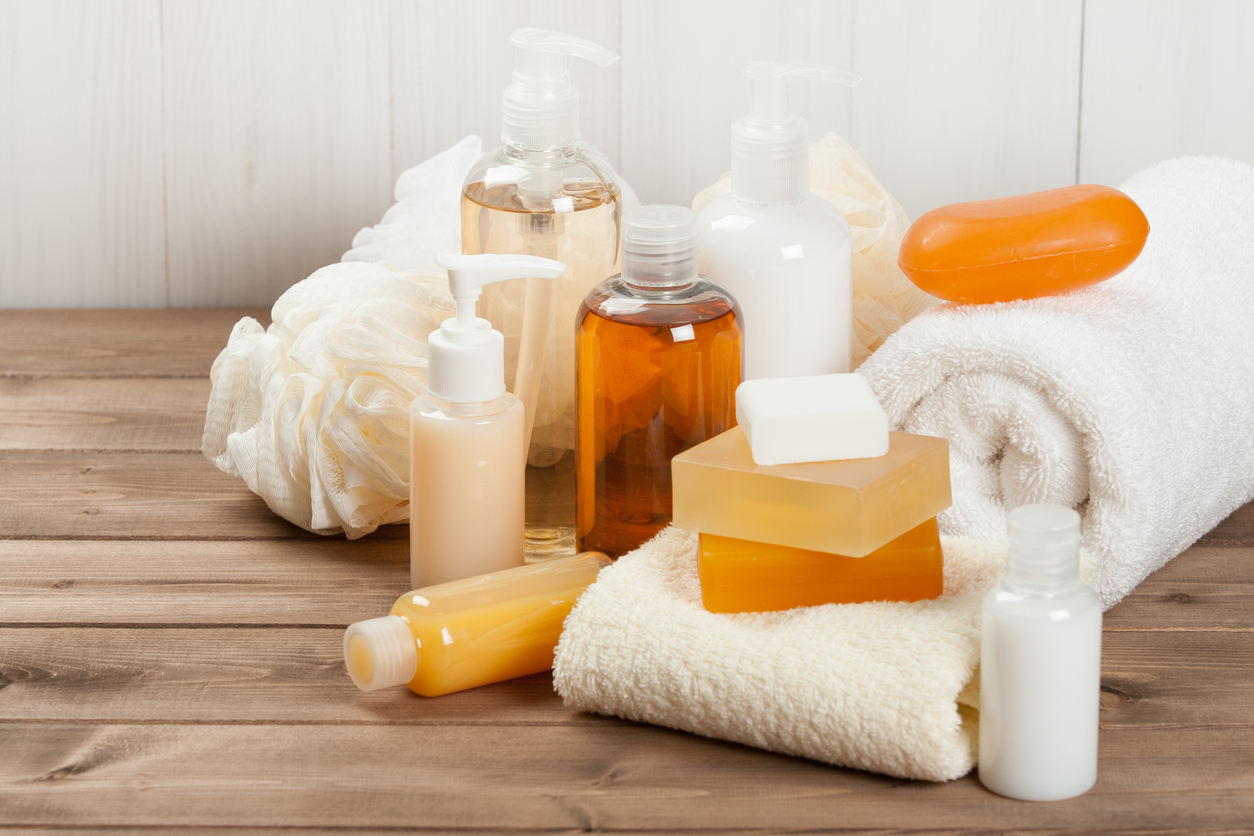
{"x":883,"y":298}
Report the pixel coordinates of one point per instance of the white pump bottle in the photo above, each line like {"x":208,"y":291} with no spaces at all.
{"x":544,"y":193}
{"x":466,"y":455}
{"x":786,"y":255}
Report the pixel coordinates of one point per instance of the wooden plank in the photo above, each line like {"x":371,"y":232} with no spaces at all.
{"x":295,"y":675}
{"x":681,"y":93}
{"x":450,"y":62}
{"x":1236,"y":530}
{"x":1204,"y":588}
{"x":322,"y":581}
{"x":81,"y":216}
{"x":125,"y":343}
{"x":1162,"y":79}
{"x":967,"y":100}
{"x":278,"y":141}
{"x":167,"y":496}
{"x":599,"y":776}
{"x":135,"y":414}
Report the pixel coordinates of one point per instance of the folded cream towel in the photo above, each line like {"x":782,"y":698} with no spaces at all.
{"x":1131,"y":401}
{"x":887,"y":687}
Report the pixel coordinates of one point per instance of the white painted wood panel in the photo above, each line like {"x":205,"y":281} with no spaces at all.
{"x":684,"y":85}
{"x":1162,"y":79}
{"x":277,"y":140}
{"x":81,"y":215}
{"x":451,"y":60}
{"x":967,"y":99}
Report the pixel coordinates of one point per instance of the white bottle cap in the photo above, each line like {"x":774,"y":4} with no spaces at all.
{"x":541,"y":107}
{"x":771,"y":146}
{"x":660,"y":246}
{"x":465,"y":357}
{"x":1044,"y":548}
{"x":380,"y":653}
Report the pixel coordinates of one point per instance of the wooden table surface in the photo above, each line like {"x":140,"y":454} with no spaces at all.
{"x":170,"y":657}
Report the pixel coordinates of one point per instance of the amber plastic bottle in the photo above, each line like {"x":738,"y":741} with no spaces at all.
{"x":659,"y":359}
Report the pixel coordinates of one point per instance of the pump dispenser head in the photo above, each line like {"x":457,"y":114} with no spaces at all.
{"x":771,"y":146}
{"x":541,"y":106}
{"x":465,"y":357}
{"x":660,"y":246}
{"x":1044,"y":548}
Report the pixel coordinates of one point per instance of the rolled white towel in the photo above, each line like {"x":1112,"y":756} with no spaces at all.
{"x":1131,"y":401}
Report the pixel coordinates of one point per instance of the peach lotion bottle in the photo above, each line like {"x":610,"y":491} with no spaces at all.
{"x":471,"y":632}
{"x":544,"y":193}
{"x":659,"y":362}
{"x":466,"y":497}
{"x":1041,"y":664}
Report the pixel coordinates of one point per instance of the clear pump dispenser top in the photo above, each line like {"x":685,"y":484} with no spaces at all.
{"x":541,"y":105}
{"x":465,"y":357}
{"x":1044,"y":549}
{"x":660,"y":246}
{"x":771,"y":146}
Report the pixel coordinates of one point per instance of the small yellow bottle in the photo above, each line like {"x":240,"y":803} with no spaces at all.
{"x":471,"y":632}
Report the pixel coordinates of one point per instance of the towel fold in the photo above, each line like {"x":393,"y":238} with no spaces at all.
{"x":1131,"y":401}
{"x":886,"y":687}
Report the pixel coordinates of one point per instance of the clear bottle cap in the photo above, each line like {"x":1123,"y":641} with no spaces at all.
{"x":540,"y":107}
{"x":380,"y":653}
{"x":1044,"y":548}
{"x":660,"y":246}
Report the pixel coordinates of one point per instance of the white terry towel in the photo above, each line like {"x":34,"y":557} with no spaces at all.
{"x":1131,"y":401}
{"x":886,"y":687}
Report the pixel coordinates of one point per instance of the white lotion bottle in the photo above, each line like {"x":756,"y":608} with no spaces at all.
{"x":466,"y":455}
{"x":1041,"y":664}
{"x":783,"y":253}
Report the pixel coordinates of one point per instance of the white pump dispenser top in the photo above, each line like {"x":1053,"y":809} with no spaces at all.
{"x":465,"y":357}
{"x":541,"y":106}
{"x":771,"y":146}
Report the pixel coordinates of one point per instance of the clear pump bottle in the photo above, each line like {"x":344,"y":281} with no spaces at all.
{"x":1041,"y":664}
{"x":466,"y":483}
{"x":659,"y":363}
{"x":786,"y":255}
{"x":471,"y":632}
{"x":544,"y":193}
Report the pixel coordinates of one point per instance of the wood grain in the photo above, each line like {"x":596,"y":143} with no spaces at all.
{"x":967,"y":100}
{"x":128,"y":343}
{"x":1164,"y":79}
{"x":597,"y":776}
{"x":277,"y":141}
{"x":685,"y":91}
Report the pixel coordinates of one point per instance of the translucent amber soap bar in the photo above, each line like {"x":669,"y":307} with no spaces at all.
{"x":744,"y":576}
{"x":850,"y":507}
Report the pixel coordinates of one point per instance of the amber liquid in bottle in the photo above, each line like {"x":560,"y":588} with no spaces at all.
{"x":578,"y":224}
{"x":658,"y":371}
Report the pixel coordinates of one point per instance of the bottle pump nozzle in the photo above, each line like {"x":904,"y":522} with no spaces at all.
{"x":465,"y":357}
{"x":541,"y":106}
{"x":770,"y":146}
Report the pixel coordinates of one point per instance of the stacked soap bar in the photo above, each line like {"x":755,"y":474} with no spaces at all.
{"x":813,"y":532}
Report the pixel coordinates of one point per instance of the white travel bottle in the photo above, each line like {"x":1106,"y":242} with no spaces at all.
{"x":784,"y":254}
{"x":1041,"y":664}
{"x":466,"y":454}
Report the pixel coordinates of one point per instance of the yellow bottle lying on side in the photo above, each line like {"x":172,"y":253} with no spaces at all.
{"x":744,"y":576}
{"x":471,"y":632}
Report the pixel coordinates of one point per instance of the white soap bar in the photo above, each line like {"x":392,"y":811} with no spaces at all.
{"x":789,"y":420}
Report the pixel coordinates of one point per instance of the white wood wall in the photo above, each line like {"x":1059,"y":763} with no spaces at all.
{"x":213,"y":152}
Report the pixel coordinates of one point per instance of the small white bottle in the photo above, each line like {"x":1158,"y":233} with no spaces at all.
{"x":1041,"y":664}
{"x":784,"y":254}
{"x":466,"y":456}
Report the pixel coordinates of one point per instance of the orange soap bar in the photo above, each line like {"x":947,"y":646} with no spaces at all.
{"x":744,"y":576}
{"x":1021,"y":247}
{"x":852,"y":506}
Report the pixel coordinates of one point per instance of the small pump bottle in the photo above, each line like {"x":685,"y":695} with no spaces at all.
{"x":466,"y":484}
{"x":659,"y":363}
{"x":544,"y":193}
{"x":471,"y":632}
{"x":786,"y":255}
{"x":1041,"y":664}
